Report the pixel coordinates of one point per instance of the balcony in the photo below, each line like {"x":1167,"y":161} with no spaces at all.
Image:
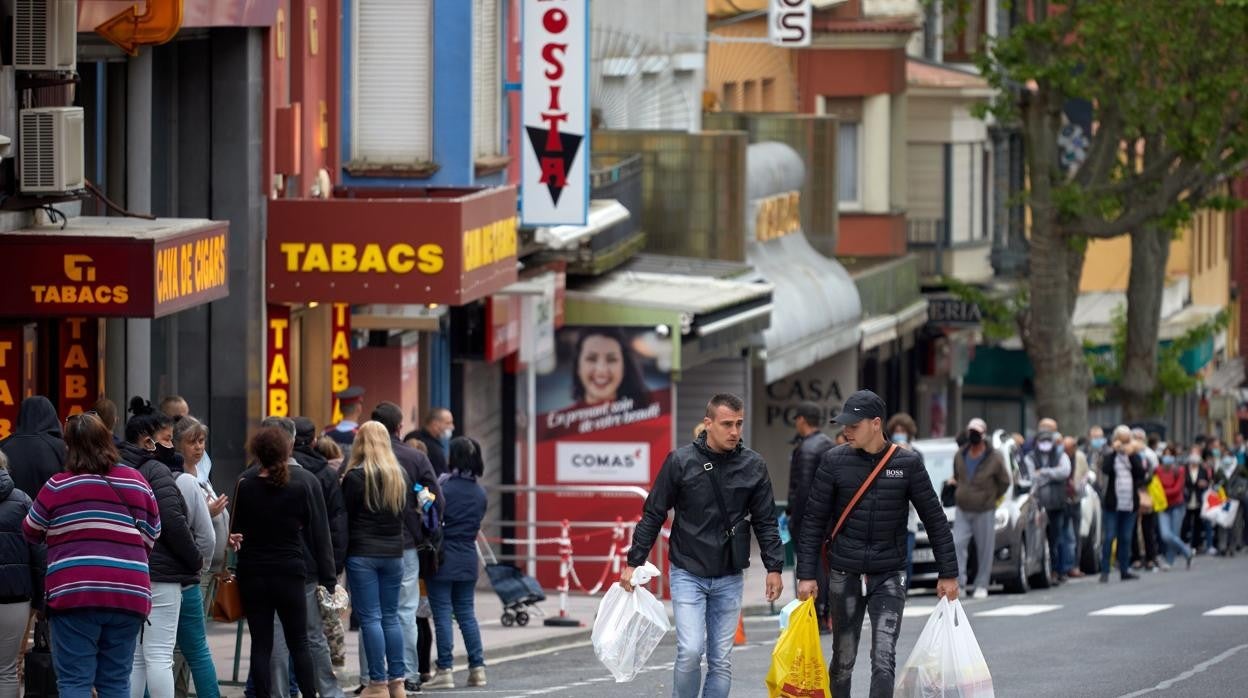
{"x":930,"y":240}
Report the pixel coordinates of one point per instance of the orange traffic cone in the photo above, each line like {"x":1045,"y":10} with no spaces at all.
{"x":740,"y":638}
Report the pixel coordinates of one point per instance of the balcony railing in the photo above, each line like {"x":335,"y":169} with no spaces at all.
{"x":928,"y":238}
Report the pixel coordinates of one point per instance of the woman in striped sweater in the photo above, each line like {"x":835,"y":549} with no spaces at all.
{"x":100,"y":521}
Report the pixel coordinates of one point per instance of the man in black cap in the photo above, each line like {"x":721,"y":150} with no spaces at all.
{"x":351,"y":404}
{"x":862,"y":492}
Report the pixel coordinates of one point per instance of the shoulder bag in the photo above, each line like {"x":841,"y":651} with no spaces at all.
{"x":827,"y":545}
{"x":227,"y":602}
{"x":736,"y":533}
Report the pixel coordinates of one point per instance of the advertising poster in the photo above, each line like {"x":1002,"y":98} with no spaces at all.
{"x":604,"y":419}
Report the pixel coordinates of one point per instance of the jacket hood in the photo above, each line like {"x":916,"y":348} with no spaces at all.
{"x":38,"y":416}
{"x":305,"y":431}
{"x":310,"y":458}
{"x":705,"y":449}
{"x":6,"y":485}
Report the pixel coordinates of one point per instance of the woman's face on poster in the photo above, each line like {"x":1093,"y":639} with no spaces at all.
{"x":600,"y":368}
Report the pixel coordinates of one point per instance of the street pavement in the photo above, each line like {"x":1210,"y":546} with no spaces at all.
{"x":1177,"y":633}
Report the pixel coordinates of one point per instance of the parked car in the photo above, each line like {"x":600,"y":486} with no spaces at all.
{"x":1021,"y":559}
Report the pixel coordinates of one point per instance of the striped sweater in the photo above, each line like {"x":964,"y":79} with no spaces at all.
{"x":97,"y":547}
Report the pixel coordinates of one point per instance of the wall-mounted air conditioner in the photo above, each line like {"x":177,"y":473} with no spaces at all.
{"x":50,"y":143}
{"x":45,"y":35}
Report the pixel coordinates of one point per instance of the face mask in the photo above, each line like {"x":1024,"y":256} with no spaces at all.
{"x":1044,"y":446}
{"x":447,"y":434}
{"x":1168,"y":460}
{"x":165,"y":454}
{"x":900,"y":438}
{"x":1217,"y":453}
{"x":974,"y":437}
{"x":1098,"y":443}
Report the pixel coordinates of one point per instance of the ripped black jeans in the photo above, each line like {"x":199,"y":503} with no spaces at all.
{"x":885,"y":599}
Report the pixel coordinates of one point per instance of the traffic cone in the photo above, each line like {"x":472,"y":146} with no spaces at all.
{"x":740,"y":638}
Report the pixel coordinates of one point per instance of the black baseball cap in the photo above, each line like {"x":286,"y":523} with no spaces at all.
{"x":863,"y":404}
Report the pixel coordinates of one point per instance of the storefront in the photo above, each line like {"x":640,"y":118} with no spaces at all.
{"x":54,"y":336}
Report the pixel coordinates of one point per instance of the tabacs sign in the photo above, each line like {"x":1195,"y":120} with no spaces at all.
{"x":555,"y":113}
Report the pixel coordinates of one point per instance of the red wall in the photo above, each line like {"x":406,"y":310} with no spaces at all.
{"x":849,"y":73}
{"x":865,"y":235}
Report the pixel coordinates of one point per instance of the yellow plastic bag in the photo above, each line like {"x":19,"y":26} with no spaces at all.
{"x":797,"y":667}
{"x":1158,"y":494}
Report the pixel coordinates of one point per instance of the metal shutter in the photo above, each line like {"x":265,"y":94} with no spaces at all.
{"x":925,"y":186}
{"x":391,"y":113}
{"x":486,"y":86}
{"x":698,"y":384}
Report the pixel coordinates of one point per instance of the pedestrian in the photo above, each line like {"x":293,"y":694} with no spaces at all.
{"x":1232,"y":477}
{"x":710,"y":538}
{"x":21,"y":578}
{"x":328,"y":448}
{"x":273,"y":513}
{"x":808,"y":448}
{"x":981,"y":479}
{"x":100,"y":521}
{"x":1123,"y":472}
{"x":36,"y":449}
{"x":452,"y":589}
{"x":106,"y":410}
{"x":1170,"y":521}
{"x":1097,"y":444}
{"x":176,"y":561}
{"x":1049,"y":469}
{"x":1072,"y":541}
{"x":307,"y":456}
{"x":902,"y":431}
{"x":419,"y":472}
{"x":840,"y":439}
{"x":861,"y":492}
{"x":177,"y":407}
{"x":1145,"y":553}
{"x":1196,"y":483}
{"x":436,"y":434}
{"x":376,"y":491}
{"x":351,"y":404}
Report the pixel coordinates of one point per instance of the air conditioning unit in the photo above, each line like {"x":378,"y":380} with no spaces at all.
{"x":45,"y":35}
{"x":50,"y":143}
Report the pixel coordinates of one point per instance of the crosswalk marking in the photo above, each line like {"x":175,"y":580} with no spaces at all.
{"x":1132,"y":609}
{"x":1021,"y":609}
{"x":1228,"y":611}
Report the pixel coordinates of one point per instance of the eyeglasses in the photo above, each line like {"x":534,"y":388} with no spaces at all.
{"x":75,"y":417}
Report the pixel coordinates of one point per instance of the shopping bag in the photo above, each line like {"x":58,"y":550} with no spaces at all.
{"x":629,"y":626}
{"x":1211,"y":507}
{"x":1158,"y":493}
{"x":38,"y":674}
{"x":1227,"y":514}
{"x":797,"y":668}
{"x":946,"y":661}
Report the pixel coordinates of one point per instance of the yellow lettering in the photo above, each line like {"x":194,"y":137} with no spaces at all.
{"x":471,"y":250}
{"x":430,"y":256}
{"x":186,"y":270}
{"x":316,"y":260}
{"x":372,"y":259}
{"x":6,"y":428}
{"x":292,"y":250}
{"x":104,"y":294}
{"x":279,"y":373}
{"x":74,"y":409}
{"x":53,"y":295}
{"x":121,"y":294}
{"x":340,"y":380}
{"x":75,"y":326}
{"x":342,"y":350}
{"x":400,"y":258}
{"x":6,"y":395}
{"x":343,"y":256}
{"x":69,"y":294}
{"x":75,"y":387}
{"x":340,"y":314}
{"x":5,"y":348}
{"x":38,"y":291}
{"x":279,"y":403}
{"x":76,"y":358}
{"x":279,"y":325}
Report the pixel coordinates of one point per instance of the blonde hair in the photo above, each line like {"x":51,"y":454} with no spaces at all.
{"x":384,"y":484}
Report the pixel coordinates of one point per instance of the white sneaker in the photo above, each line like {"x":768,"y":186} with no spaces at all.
{"x":981,"y":594}
{"x":442,"y":679}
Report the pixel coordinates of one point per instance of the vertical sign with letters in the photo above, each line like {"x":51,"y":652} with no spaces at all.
{"x":279,"y":360}
{"x":340,"y":355}
{"x":788,"y":23}
{"x":555,"y":113}
{"x":80,"y":365}
{"x":17,"y":372}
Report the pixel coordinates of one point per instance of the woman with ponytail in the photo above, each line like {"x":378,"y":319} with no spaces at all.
{"x":376,"y":491}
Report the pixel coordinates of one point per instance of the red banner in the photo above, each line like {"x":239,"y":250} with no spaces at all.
{"x":502,"y":326}
{"x":17,"y":372}
{"x":81,"y":359}
{"x":277,"y":364}
{"x":340,"y":355}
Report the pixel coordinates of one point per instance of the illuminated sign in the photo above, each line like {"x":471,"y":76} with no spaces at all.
{"x":80,"y":362}
{"x":187,"y":269}
{"x":278,"y":363}
{"x":340,"y":355}
{"x":17,"y":373}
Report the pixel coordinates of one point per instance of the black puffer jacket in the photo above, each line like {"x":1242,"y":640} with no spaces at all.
{"x":175,"y":559}
{"x":315,"y":463}
{"x":805,"y":462}
{"x":873,"y":539}
{"x":698,"y":543}
{"x":21,"y":564}
{"x":419,"y":470}
{"x":36,"y":450}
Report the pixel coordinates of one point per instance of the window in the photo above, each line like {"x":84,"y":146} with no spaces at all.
{"x":769,"y":95}
{"x":963,"y":30}
{"x":749,"y":94}
{"x":848,"y":148}
{"x":391,"y":102}
{"x":487,"y":87}
{"x":729,"y":102}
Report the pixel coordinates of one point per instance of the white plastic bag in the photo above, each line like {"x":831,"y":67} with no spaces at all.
{"x":629,"y":626}
{"x":946,"y":661}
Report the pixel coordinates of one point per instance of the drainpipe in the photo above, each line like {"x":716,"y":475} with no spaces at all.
{"x":139,"y":199}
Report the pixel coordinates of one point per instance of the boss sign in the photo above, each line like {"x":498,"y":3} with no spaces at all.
{"x":788,"y":23}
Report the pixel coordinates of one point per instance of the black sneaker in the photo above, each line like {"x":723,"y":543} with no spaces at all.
{"x":1128,"y":576}
{"x":411,"y":686}
{"x":1104,"y":578}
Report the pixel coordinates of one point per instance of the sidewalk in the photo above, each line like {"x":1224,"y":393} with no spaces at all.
{"x":499,"y":641}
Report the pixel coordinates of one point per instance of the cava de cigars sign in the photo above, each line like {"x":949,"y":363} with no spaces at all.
{"x":555,"y":114}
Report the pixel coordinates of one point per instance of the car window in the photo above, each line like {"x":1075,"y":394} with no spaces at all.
{"x":939,"y":465}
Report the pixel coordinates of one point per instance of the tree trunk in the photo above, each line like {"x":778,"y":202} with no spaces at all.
{"x":1150,"y":251}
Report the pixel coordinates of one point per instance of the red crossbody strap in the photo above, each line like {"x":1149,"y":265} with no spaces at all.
{"x":861,"y":491}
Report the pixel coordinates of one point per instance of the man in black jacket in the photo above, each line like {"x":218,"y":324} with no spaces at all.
{"x":868,"y":555}
{"x":306,"y":455}
{"x":720,"y":490}
{"x":419,"y":472}
{"x":436,"y":433}
{"x":809,"y":446}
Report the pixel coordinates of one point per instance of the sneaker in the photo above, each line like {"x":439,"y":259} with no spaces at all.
{"x":411,"y":686}
{"x":443,"y":678}
{"x":1104,"y":578}
{"x":1128,"y":576}
{"x":1211,"y":551}
{"x":476,"y":676}
{"x":981,"y":594}
{"x":1190,"y":555}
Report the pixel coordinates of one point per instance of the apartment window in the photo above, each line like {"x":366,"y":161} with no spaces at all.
{"x":963,"y":28}
{"x":487,"y":85}
{"x":769,"y":95}
{"x":729,"y":102}
{"x":848,"y":113}
{"x":749,"y":90}
{"x":391,"y":101}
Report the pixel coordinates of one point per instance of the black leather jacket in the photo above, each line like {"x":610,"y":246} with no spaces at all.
{"x":698,"y":542}
{"x":806,"y":456}
{"x":873,"y":539}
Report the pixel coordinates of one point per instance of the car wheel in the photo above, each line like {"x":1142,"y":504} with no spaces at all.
{"x":1090,"y":555}
{"x":1044,"y":578}
{"x":1018,"y":584}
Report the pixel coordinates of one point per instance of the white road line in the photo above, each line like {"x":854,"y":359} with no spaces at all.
{"x":1132,"y":609}
{"x":1020,"y":609}
{"x":1169,"y":683}
{"x":1228,"y":611}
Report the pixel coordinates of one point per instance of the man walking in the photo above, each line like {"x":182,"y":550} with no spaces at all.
{"x":809,"y":446}
{"x":981,"y":478}
{"x":1049,"y":469}
{"x":436,"y":434}
{"x":720,"y":490}
{"x":861,"y":491}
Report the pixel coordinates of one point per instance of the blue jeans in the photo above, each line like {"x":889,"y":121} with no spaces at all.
{"x":1057,"y":540}
{"x":1120,"y":525}
{"x":94,"y":648}
{"x":705,"y":624}
{"x":1169,"y":524}
{"x":193,"y":641}
{"x":409,"y":601}
{"x":456,"y":597}
{"x":375,"y":583}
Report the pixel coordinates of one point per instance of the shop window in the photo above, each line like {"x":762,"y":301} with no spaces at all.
{"x":392,"y":91}
{"x":848,"y":113}
{"x":487,"y":85}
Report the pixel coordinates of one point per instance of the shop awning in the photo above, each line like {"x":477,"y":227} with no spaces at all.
{"x":709,"y":318}
{"x":885,"y":328}
{"x":817,"y":307}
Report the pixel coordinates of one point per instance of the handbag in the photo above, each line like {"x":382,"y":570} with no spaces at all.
{"x":39,"y":675}
{"x":1157,"y":492}
{"x":862,"y":489}
{"x":736,"y":533}
{"x":227,"y":600}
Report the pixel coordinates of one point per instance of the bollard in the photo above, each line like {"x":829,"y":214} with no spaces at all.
{"x":565,"y":570}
